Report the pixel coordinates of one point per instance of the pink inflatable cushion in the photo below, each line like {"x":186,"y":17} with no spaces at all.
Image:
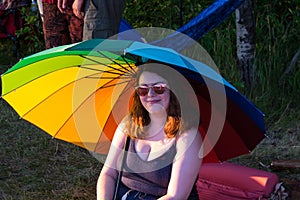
{"x":229,"y":181}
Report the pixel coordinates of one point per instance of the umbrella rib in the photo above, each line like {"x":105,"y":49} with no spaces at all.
{"x":102,"y":87}
{"x":108,"y":77}
{"x":112,"y":79}
{"x":97,"y":70}
{"x":125,"y":90}
{"x":116,"y":62}
{"x":121,"y":76}
{"x":111,"y":67}
{"x":107,"y":86}
{"x":97,"y":62}
{"x":123,"y":57}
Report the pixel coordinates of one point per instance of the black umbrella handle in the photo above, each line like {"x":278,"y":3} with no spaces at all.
{"x":125,"y":151}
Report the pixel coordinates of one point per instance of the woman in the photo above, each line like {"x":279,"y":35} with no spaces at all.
{"x":163,"y":157}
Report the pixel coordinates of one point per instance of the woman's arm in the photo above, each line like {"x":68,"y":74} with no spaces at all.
{"x":186,"y":166}
{"x":107,"y":180}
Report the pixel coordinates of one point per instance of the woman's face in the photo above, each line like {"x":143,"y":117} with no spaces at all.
{"x":156,"y":93}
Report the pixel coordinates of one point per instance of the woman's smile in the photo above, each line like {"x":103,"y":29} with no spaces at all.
{"x":153,"y":101}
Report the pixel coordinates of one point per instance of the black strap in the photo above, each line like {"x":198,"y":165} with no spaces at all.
{"x":125,"y":151}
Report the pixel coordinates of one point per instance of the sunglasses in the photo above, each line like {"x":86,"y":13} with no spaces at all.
{"x":143,"y":90}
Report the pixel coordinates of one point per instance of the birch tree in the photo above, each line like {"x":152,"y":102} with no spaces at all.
{"x":245,"y":31}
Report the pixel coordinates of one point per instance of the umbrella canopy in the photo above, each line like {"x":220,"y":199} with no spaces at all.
{"x":80,"y":92}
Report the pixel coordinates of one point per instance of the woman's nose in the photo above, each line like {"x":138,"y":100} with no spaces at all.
{"x":151,"y":92}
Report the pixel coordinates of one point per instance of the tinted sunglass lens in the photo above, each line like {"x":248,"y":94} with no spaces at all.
{"x":141,"y":91}
{"x":159,"y":89}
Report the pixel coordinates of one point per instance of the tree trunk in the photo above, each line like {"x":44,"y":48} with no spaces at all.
{"x":245,"y":31}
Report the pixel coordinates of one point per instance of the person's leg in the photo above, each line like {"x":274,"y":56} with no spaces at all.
{"x":75,"y":28}
{"x":55,"y":29}
{"x":102,"y":18}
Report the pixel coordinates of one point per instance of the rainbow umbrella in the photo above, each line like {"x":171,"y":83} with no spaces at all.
{"x":80,"y":92}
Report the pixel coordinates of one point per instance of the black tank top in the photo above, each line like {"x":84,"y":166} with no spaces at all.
{"x":151,"y":177}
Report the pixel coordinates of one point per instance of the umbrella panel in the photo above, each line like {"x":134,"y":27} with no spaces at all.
{"x":234,"y":139}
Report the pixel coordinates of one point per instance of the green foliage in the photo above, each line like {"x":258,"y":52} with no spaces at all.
{"x":29,"y":40}
{"x":31,"y":34}
{"x":164,"y":14}
{"x":278,"y":40}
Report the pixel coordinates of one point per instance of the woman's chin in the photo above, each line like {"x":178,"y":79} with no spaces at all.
{"x":156,"y":109}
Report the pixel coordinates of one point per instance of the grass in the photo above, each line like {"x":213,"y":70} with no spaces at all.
{"x":35,"y":166}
